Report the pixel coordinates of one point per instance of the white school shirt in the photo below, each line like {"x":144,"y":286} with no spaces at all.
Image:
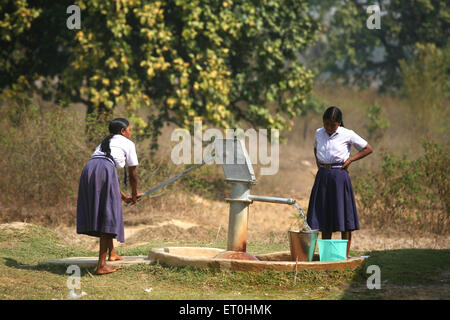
{"x":336,"y":148}
{"x":122,"y":150}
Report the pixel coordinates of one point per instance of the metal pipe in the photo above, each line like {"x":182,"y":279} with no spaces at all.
{"x":237,"y":227}
{"x":178,"y":176}
{"x":271,"y":199}
{"x":238,"y":219}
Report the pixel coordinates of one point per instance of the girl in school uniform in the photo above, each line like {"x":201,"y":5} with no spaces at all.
{"x":332,"y":204}
{"x":99,"y":208}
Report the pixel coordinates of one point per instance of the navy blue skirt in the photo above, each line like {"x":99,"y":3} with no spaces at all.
{"x":332,"y":205}
{"x":99,"y":206}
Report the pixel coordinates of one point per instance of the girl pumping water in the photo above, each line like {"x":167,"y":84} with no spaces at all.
{"x":99,"y":208}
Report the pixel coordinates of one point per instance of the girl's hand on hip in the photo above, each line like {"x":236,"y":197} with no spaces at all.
{"x":346,"y":165}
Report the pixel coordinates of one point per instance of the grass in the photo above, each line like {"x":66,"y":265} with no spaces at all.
{"x":22,"y":277}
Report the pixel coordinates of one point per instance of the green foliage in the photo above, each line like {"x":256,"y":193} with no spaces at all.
{"x":361,"y":56}
{"x":377,"y":125}
{"x":224,"y":61}
{"x":409,"y":193}
{"x":16,"y":18}
{"x":426,"y":81}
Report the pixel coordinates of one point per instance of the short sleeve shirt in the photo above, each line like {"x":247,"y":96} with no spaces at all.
{"x":123,"y":151}
{"x":336,"y":148}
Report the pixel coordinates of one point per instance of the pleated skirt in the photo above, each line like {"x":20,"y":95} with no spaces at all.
{"x":332,"y":205}
{"x":99,"y":206}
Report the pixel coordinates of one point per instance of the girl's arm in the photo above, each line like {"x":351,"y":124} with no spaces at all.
{"x":133,"y":183}
{"x":317,"y":160}
{"x":364,"y":152}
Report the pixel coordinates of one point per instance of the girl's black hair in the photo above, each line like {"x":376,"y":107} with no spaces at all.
{"x":335,"y":114}
{"x":115,"y":127}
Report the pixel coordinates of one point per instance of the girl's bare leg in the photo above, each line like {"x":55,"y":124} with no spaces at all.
{"x":113,"y":256}
{"x":347,"y":235}
{"x":102,"y":267}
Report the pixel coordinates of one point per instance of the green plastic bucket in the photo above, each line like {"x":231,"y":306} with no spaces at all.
{"x":332,"y":250}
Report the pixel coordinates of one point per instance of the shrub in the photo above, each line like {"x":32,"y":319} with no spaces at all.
{"x":408,"y":194}
{"x":377,"y":125}
{"x":425,"y":84}
{"x":43,"y":153}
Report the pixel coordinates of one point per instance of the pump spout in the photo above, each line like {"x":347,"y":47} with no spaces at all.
{"x":271,"y":199}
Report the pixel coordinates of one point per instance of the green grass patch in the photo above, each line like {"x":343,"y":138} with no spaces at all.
{"x":22,"y":277}
{"x":405,"y":266}
{"x":32,"y":244}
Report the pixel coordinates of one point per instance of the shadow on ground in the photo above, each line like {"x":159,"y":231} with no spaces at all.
{"x":53,"y":268}
{"x":402,"y":274}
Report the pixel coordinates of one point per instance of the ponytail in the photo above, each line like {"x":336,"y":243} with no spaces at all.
{"x":104,"y":147}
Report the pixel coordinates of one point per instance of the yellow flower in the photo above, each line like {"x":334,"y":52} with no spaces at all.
{"x":170,"y":101}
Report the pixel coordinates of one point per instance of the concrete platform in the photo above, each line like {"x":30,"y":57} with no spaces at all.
{"x":277,"y":261}
{"x":87,"y":262}
{"x":206,"y":258}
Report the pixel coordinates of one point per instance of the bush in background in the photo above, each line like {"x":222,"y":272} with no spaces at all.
{"x":42,"y":155}
{"x":408,"y":194}
{"x":426,"y":84}
{"x":377,"y":125}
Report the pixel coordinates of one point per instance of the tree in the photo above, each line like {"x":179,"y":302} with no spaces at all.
{"x":426,"y":82}
{"x":225,"y":61}
{"x":362,"y":56}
